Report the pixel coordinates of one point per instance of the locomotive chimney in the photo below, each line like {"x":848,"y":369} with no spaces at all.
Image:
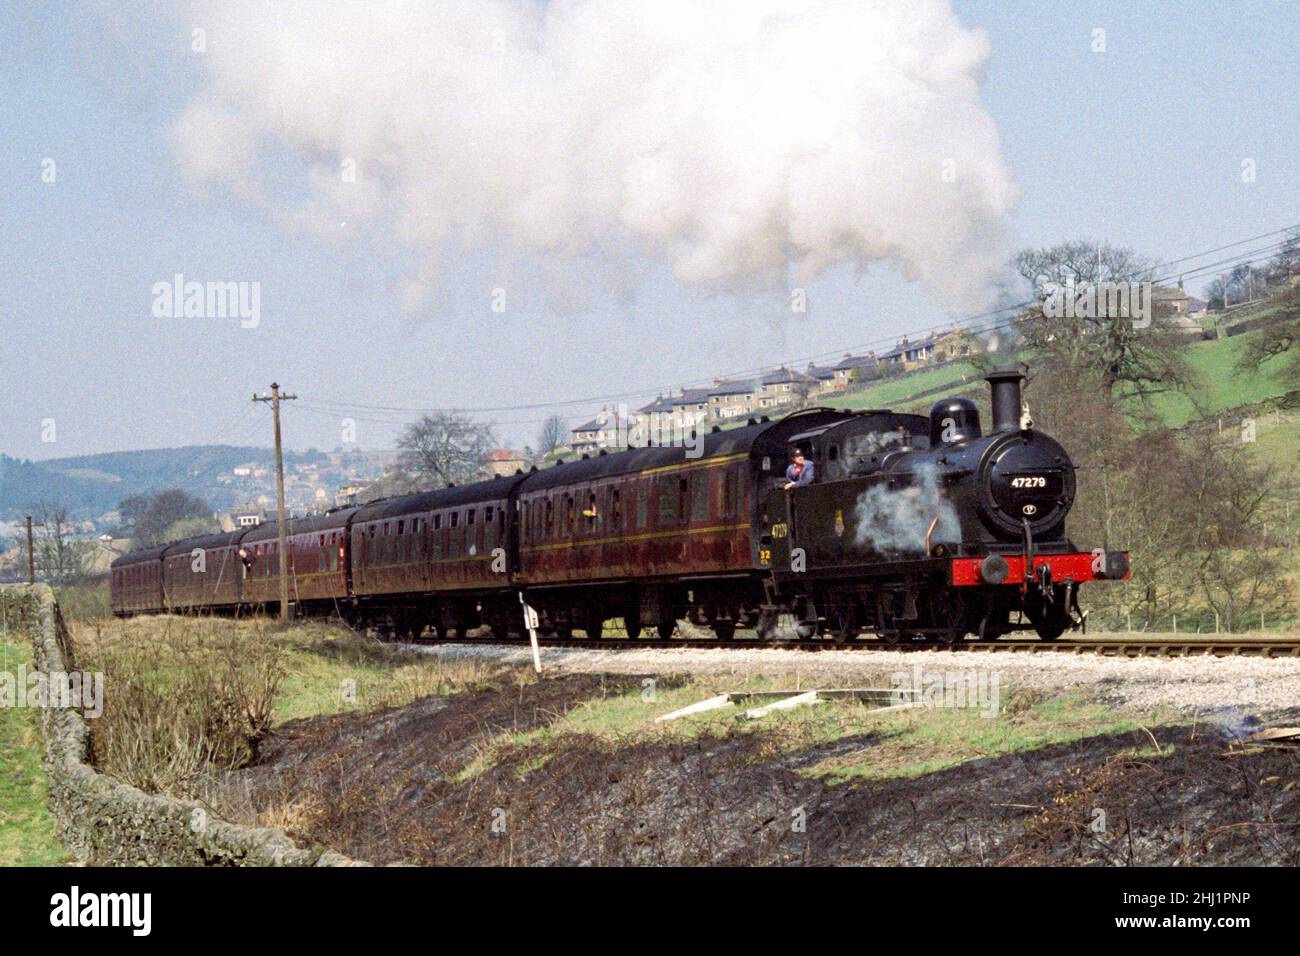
{"x":1006,"y":400}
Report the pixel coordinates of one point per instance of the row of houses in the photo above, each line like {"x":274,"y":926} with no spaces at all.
{"x":669,"y":417}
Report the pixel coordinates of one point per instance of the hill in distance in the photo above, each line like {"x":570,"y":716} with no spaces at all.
{"x":90,"y":485}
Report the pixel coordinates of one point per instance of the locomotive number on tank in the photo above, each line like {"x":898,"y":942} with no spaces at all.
{"x":1029,"y":481}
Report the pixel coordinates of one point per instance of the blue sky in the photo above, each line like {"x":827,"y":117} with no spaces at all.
{"x":1141,"y":145}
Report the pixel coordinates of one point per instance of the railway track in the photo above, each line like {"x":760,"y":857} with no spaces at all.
{"x":1123,"y":647}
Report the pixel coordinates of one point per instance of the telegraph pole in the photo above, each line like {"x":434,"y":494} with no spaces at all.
{"x":31,"y":554}
{"x":275,"y":398}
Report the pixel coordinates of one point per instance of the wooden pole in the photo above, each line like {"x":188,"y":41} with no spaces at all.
{"x":31,"y":554}
{"x":275,"y":398}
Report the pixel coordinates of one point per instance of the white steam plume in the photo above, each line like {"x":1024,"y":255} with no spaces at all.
{"x":895,"y":522}
{"x":740,"y":139}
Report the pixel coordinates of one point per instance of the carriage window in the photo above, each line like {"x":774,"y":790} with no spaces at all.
{"x":591,"y":513}
{"x":437,"y":521}
{"x":568,"y":512}
{"x":550,"y":515}
{"x":700,"y":496}
{"x":642,"y":496}
{"x":683,"y":497}
{"x":615,"y":510}
{"x":667,"y":501}
{"x":833,"y":453}
{"x":455,"y":518}
{"x":487,"y":515}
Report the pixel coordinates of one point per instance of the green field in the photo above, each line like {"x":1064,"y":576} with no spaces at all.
{"x":891,"y":393}
{"x":27,"y":836}
{"x":1221,"y":385}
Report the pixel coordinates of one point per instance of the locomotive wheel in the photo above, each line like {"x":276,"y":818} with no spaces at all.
{"x":1049,"y":629}
{"x":1049,"y":621}
{"x":844,"y":623}
{"x":666,"y":628}
{"x":595,"y":625}
{"x":886,"y":629}
{"x":948,"y":611}
{"x":632,"y":624}
{"x":724,"y":630}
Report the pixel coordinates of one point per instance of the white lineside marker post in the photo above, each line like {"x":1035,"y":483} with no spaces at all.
{"x":531,"y":622}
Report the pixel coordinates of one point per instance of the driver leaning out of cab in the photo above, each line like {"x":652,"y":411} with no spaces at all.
{"x":800,"y":472}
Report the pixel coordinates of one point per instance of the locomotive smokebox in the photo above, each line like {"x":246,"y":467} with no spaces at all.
{"x":1006,"y":400}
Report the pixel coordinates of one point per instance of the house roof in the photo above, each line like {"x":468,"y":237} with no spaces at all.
{"x":594,"y":425}
{"x":902,"y":348}
{"x":690,"y":396}
{"x":856,"y":361}
{"x":660,"y":404}
{"x":783,"y":375}
{"x":732,"y":388}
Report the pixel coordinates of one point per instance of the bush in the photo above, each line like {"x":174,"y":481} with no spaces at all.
{"x":180,"y":702}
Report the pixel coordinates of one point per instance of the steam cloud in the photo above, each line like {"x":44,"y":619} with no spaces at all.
{"x":895,"y":522}
{"x":750,"y":142}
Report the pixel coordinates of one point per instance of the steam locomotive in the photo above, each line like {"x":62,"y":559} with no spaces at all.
{"x":916,"y":527}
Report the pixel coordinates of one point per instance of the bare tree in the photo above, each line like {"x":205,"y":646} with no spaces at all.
{"x":445,"y":448}
{"x":554,"y":433}
{"x":1128,"y":359}
{"x":165,"y":509}
{"x":59,"y":558}
{"x":1279,"y":340}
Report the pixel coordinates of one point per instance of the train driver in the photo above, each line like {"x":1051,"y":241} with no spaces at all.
{"x":800,"y":471}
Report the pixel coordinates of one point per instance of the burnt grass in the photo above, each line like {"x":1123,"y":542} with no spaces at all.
{"x":384,"y":787}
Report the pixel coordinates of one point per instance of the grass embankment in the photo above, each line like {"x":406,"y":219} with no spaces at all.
{"x":839,"y":740}
{"x":185,"y":696}
{"x":574,"y":768}
{"x":27,"y":833}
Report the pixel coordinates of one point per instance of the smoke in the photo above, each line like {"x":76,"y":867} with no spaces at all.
{"x":749,"y":143}
{"x":895,"y":522}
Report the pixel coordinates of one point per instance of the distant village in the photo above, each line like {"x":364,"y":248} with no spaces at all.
{"x":669,"y":417}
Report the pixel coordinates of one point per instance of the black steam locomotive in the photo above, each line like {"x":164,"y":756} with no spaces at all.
{"x":930,"y":527}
